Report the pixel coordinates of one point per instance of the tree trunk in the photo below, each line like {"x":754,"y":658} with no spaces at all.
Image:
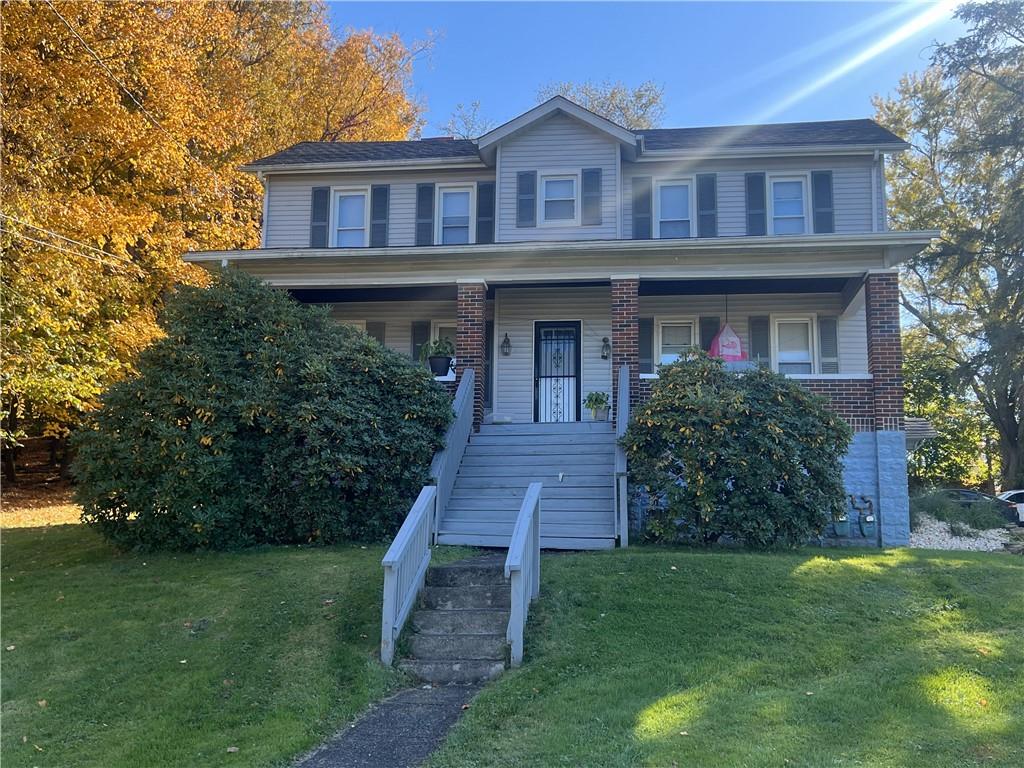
{"x":10,"y":474}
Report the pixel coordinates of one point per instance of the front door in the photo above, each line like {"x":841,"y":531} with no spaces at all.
{"x":556,"y":371}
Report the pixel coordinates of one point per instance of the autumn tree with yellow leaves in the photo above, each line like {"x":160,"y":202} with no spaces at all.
{"x":124,"y":124}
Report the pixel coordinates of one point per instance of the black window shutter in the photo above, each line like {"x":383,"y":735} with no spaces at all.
{"x":757,"y":212}
{"x":760,"y":340}
{"x":420,"y":336}
{"x":380,"y":196}
{"x":319,"y":215}
{"x":708,"y":328}
{"x":526,"y":199}
{"x":642,"y":208}
{"x":591,"y":196}
{"x":375,"y":330}
{"x":485,"y":212}
{"x":645,"y":345}
{"x":828,"y":343}
{"x":821,"y":196}
{"x":424,"y":214}
{"x":707,"y":205}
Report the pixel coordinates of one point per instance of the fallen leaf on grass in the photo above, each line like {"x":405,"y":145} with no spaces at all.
{"x":42,"y":703}
{"x":10,"y":647}
{"x":232,"y":749}
{"x":183,"y":661}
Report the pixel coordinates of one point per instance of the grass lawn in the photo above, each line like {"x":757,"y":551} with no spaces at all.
{"x":658,"y":657}
{"x":168,"y":660}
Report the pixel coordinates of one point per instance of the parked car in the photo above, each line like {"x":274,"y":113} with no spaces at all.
{"x":967,"y":498}
{"x":1017,"y":499}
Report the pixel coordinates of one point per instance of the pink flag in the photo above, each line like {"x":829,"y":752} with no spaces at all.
{"x":727,"y":346}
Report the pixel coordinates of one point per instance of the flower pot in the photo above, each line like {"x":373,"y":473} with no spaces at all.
{"x":599,"y":414}
{"x":440,"y":366}
{"x":867,"y":526}
{"x":842,"y":528}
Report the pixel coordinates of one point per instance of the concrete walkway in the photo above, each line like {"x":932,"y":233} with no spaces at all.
{"x":399,"y":732}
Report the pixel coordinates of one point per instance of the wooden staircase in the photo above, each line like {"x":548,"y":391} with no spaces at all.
{"x":575,"y":462}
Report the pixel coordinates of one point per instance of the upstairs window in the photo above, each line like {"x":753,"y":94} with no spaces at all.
{"x":794,"y":345}
{"x":351,"y":218}
{"x":789,"y":205}
{"x":454,"y":222}
{"x":558,"y":199}
{"x":675,"y":339}
{"x":674,"y":207}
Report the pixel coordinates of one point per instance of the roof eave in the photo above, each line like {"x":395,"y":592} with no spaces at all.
{"x":789,"y":150}
{"x":365,"y":165}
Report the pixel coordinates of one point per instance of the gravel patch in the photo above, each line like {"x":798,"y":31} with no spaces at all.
{"x":934,"y":534}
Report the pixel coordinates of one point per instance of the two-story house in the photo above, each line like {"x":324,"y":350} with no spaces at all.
{"x":560,"y":248}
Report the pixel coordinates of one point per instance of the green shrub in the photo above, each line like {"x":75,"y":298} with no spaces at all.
{"x":962,"y":530}
{"x":980,"y":516}
{"x":257,"y":419}
{"x":753,"y":457}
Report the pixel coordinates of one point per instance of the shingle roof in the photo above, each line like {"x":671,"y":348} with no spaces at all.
{"x":309,"y":152}
{"x":832,"y":132}
{"x":821,"y":133}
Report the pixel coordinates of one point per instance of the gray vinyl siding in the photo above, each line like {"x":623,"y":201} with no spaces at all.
{"x":515,"y":310}
{"x":286,"y":218}
{"x":851,"y":178}
{"x":851,"y":330}
{"x":559,"y":143}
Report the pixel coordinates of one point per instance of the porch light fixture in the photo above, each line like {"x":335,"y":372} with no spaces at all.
{"x":506,"y":346}
{"x":606,"y":348}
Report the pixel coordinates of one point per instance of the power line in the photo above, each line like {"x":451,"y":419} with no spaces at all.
{"x":59,"y":236}
{"x":69,"y":251}
{"x":123,"y":87}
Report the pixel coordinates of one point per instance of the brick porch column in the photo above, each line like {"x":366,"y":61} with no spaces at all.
{"x":469,"y":339}
{"x":885,"y":363}
{"x":885,"y":354}
{"x":625,"y":335}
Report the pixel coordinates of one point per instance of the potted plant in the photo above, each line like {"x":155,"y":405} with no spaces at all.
{"x":438,"y":354}
{"x":841,"y":524}
{"x":597,"y":403}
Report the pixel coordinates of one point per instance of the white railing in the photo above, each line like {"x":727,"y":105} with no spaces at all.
{"x":522,"y":566}
{"x":446,"y":461}
{"x":621,"y":484}
{"x":405,"y":566}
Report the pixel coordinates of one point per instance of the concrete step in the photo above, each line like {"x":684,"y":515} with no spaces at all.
{"x":453,"y":671}
{"x":455,"y":598}
{"x":561,"y":428}
{"x":479,"y":621}
{"x":458,"y":646}
{"x":486,"y":571}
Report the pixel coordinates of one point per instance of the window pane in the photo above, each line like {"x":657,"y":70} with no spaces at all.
{"x":446,"y":332}
{"x":788,"y":190}
{"x":794,"y":226}
{"x":795,"y":368}
{"x":350,"y":238}
{"x":559,"y":189}
{"x":674,"y":229}
{"x":351,"y":210}
{"x":457,"y":235}
{"x":794,"y":343}
{"x":559,"y":209}
{"x":675,"y":201}
{"x":455,"y":204}
{"x":675,"y":341}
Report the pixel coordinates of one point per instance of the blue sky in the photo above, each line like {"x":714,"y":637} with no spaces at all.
{"x":720,"y":62}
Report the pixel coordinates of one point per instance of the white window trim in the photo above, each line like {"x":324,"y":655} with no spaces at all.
{"x":555,"y":174}
{"x":440,"y":189}
{"x":811,"y":318}
{"x":435,"y":327}
{"x":333,"y":218}
{"x":690,"y":185}
{"x":671,"y":320}
{"x":805,"y":179}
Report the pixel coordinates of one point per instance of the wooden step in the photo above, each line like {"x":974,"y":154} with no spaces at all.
{"x":604,"y":462}
{"x":571,"y":427}
{"x":546,"y":542}
{"x":502,"y":447}
{"x":535,"y":474}
{"x":597,"y":516}
{"x":504,"y":528}
{"x":549,"y":492}
{"x":520,"y":483}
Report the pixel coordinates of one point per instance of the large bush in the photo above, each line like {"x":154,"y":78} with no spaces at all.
{"x":753,"y":457}
{"x":257,"y":419}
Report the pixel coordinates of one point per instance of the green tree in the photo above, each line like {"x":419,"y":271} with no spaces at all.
{"x":965,"y":177}
{"x":631,"y":107}
{"x":956,"y":457}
